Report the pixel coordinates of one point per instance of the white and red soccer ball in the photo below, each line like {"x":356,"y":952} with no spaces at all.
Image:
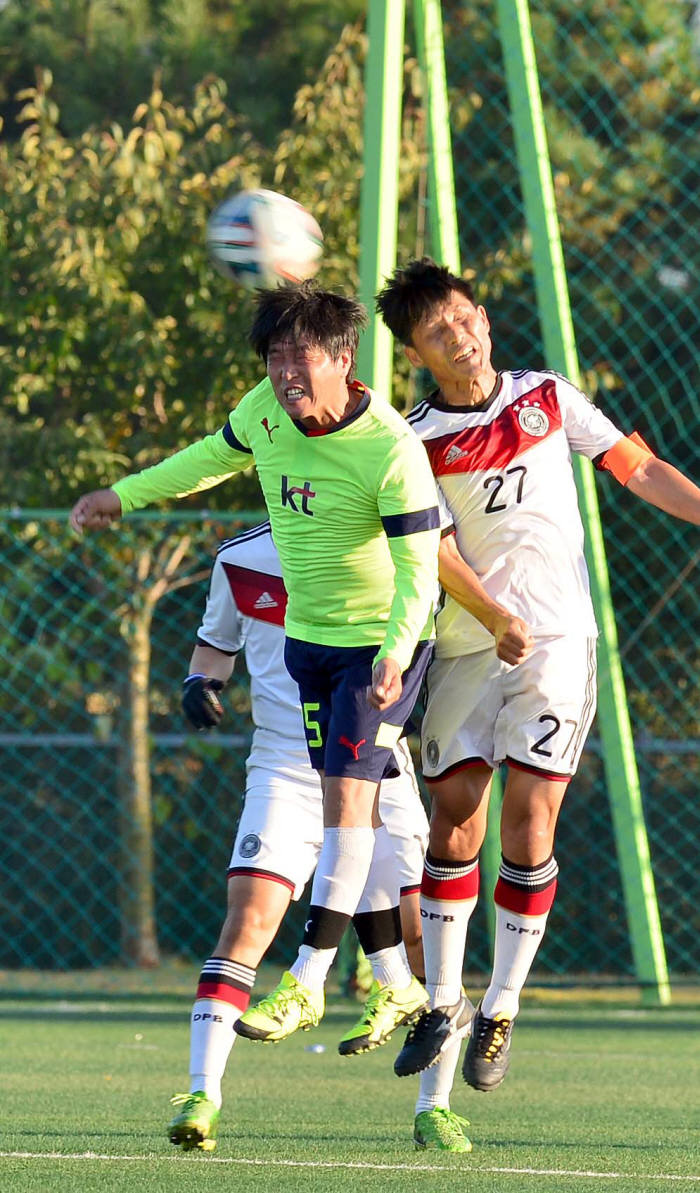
{"x":262,"y":238}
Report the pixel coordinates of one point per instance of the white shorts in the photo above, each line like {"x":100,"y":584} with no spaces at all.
{"x":401,"y":810}
{"x":536,"y":714}
{"x":280,"y":831}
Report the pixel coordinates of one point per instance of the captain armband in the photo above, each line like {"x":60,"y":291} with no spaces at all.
{"x":624,"y":457}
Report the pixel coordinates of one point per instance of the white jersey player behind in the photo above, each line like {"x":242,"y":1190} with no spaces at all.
{"x":280,"y":831}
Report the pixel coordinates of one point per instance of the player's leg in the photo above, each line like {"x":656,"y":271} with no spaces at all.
{"x":396,"y":997}
{"x":448,"y":897}
{"x":457,"y":748}
{"x":351,"y":744}
{"x":550,"y":702}
{"x":524,"y":895}
{"x":256,"y":906}
{"x":449,"y":893}
{"x":412,"y":930}
{"x":402,"y":812}
{"x":273,"y":856}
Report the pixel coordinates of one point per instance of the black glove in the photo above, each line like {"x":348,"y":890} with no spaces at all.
{"x":200,"y":703}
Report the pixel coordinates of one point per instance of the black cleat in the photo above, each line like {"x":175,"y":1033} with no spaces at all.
{"x":487,"y":1056}
{"x":431,"y":1035}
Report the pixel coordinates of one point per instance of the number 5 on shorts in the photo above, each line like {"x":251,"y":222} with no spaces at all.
{"x":314,"y":737}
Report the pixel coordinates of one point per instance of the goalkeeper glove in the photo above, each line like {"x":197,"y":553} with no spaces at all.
{"x":200,"y":703}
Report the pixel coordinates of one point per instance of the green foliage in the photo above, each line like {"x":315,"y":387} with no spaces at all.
{"x":118,"y":335}
{"x":105,"y":53}
{"x":120,"y":342}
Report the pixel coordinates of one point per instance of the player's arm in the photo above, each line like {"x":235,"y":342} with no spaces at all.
{"x":409,"y":513}
{"x":514,"y":641}
{"x":200,"y":466}
{"x":635,"y":466}
{"x":210,"y":669}
{"x":219,"y":638}
{"x":664,"y":486}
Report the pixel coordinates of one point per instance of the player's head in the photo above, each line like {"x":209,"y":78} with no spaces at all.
{"x":412,"y":293}
{"x":433,"y":312}
{"x":308,"y":315}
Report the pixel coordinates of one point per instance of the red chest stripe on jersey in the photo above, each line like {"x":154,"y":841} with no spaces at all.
{"x":257,"y":594}
{"x":527,"y":421}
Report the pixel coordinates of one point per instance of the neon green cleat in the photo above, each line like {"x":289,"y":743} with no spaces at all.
{"x":280,"y":1013}
{"x":387,"y":1008}
{"x":440,"y":1130}
{"x":195,"y":1125}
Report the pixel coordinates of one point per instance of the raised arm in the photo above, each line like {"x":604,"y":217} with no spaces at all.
{"x":664,"y":486}
{"x":202,"y":465}
{"x":514,"y":641}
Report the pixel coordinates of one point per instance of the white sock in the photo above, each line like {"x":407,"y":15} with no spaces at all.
{"x":445,"y":924}
{"x":312,"y":965}
{"x":342,"y":868}
{"x":436,"y":1082}
{"x":390,"y":967}
{"x":341,"y":874}
{"x":211,"y":1039}
{"x":518,"y":938}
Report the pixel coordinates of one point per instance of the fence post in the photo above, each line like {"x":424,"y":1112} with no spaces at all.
{"x":379,"y":197}
{"x":560,"y":349}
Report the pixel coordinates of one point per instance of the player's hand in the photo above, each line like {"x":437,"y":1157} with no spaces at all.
{"x":200,"y":703}
{"x":514,"y":642}
{"x":387,"y":684}
{"x":96,"y":509}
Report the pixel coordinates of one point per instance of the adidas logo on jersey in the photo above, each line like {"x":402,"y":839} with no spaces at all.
{"x":265,"y":601}
{"x":455,"y":453}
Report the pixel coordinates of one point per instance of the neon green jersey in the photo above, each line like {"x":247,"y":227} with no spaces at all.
{"x":353,"y":512}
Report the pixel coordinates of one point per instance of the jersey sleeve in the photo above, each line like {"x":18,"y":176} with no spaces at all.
{"x":408,"y":507}
{"x":447,"y":522}
{"x":589,"y":431}
{"x":223,"y":625}
{"x":200,"y":466}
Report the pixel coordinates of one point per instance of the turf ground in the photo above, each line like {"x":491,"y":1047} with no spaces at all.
{"x":602,"y":1095}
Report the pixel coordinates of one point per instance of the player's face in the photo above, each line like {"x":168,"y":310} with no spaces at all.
{"x":306,"y":379}
{"x":453,"y":341}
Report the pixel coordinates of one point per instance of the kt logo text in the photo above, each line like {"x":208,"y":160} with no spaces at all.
{"x":297,"y":497}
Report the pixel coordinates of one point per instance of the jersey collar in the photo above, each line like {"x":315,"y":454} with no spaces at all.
{"x":433,"y":399}
{"x":356,"y":387}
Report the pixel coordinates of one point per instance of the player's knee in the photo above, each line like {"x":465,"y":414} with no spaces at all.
{"x":247,"y":924}
{"x":450,"y":840}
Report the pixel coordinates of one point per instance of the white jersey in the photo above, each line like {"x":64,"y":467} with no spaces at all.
{"x":280,"y":832}
{"x":506,"y":474}
{"x":245,"y":606}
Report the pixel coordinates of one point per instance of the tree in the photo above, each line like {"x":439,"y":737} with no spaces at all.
{"x":122,"y":343}
{"x":104,"y":54}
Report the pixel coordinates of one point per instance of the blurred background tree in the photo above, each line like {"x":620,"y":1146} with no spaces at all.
{"x":103,"y":53}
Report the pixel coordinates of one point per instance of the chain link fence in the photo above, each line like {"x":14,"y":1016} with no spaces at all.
{"x":620,"y":84}
{"x":117,"y":822}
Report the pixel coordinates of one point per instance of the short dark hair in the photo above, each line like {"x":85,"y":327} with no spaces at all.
{"x":411,"y":293}
{"x":329,"y":321}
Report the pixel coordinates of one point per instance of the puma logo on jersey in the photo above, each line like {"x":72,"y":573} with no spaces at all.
{"x":355,"y":747}
{"x":265,"y":601}
{"x":265,"y":423}
{"x":455,"y":453}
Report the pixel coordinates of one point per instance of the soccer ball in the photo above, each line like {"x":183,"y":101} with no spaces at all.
{"x":262,"y":238}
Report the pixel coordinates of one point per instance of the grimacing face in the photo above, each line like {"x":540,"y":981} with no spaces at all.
{"x":305,"y":376}
{"x":453,"y":342}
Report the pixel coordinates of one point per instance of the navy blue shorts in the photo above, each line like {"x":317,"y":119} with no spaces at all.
{"x":345,"y":735}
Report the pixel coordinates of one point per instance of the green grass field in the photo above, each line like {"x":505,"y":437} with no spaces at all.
{"x":602,"y":1095}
